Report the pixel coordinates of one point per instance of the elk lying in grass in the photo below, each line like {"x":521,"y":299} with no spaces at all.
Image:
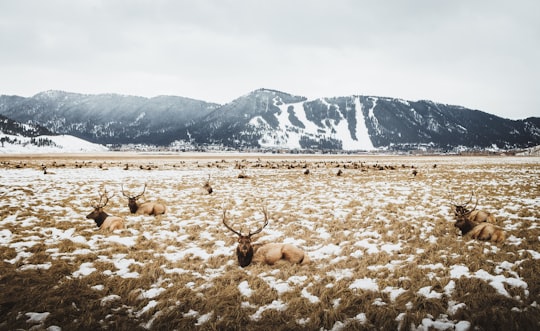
{"x":243,"y":174}
{"x":147,"y":208}
{"x":481,"y":231}
{"x":477,"y":223}
{"x":461,"y":211}
{"x":102,"y":219}
{"x":45,"y":172}
{"x":207,"y":186}
{"x":269,"y":253}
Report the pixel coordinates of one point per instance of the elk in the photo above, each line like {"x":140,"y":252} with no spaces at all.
{"x":242,"y":174}
{"x":45,"y":172}
{"x":207,"y":186}
{"x":102,"y":219}
{"x":269,"y":253}
{"x":462,"y":212}
{"x":147,"y":208}
{"x":481,"y":231}
{"x":477,"y":223}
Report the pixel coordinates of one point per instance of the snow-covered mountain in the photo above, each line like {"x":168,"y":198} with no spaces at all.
{"x":106,"y":118}
{"x":268,"y":118}
{"x":16,"y":137}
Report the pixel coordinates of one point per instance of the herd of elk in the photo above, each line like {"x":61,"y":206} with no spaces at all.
{"x":477,"y":223}
{"x":147,"y":208}
{"x":268,"y":253}
{"x":102,"y":219}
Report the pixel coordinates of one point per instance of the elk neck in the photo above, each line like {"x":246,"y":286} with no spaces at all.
{"x":133,"y":206}
{"x":465,"y":226}
{"x":244,"y":257}
{"x":244,"y":251}
{"x":100,"y":218}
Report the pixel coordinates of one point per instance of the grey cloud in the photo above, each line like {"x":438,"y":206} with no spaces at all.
{"x":479,"y":54}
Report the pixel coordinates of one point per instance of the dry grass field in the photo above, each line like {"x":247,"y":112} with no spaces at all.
{"x":384,"y":252}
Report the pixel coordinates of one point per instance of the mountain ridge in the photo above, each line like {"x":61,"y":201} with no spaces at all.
{"x":272,"y":119}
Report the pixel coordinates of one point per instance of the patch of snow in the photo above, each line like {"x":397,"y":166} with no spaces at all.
{"x":64,"y":144}
{"x":244,"y":289}
{"x":367,"y":284}
{"x":85,"y":269}
{"x":311,"y":298}
{"x":276,"y":305}
{"x":109,"y":298}
{"x":36,"y":317}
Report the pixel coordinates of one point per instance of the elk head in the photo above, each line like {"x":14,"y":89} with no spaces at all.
{"x":461,"y":212}
{"x":132,"y":200}
{"x":244,"y":250}
{"x":98,"y":215}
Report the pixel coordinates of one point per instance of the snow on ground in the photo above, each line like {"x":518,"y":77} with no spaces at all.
{"x":383,"y":238}
{"x":63,"y":143}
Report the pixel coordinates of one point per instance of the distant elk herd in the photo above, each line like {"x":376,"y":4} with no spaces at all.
{"x":472,"y":222}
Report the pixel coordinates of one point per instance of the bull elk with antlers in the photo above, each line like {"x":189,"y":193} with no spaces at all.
{"x":147,"y":208}
{"x":102,"y":219}
{"x":207,"y":187}
{"x":461,"y":211}
{"x":477,"y":223}
{"x":269,"y":253}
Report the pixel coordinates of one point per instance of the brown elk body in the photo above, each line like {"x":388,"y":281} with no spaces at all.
{"x":481,"y":231}
{"x":269,"y":253}
{"x":104,"y":220}
{"x":147,"y":208}
{"x":273,"y":252}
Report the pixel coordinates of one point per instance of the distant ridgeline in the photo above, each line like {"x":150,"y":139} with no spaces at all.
{"x":267,"y":119}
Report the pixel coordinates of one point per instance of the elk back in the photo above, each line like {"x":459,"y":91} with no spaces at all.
{"x":151,"y":208}
{"x":488,"y":231}
{"x":272,"y":253}
{"x":481,"y":216}
{"x":113,"y":223}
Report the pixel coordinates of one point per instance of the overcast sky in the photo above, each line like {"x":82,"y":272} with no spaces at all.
{"x":479,"y":54}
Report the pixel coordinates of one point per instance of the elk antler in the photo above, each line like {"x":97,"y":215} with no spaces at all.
{"x":475,"y":204}
{"x":461,"y":205}
{"x":250,"y":233}
{"x":265,"y":222}
{"x":104,"y":194}
{"x":227,"y":225}
{"x":135,"y":196}
{"x":124,"y":193}
{"x":470,"y":199}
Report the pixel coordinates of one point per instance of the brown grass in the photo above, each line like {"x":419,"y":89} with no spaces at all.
{"x":383,"y":225}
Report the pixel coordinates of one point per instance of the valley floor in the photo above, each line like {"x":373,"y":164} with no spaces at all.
{"x":383,"y":248}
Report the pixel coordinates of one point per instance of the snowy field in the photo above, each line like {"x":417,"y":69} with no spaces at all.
{"x":384,"y":251}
